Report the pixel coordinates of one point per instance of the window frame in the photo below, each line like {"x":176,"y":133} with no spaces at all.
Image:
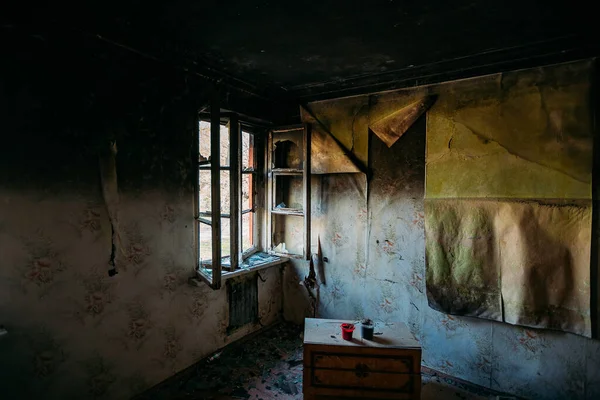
{"x":236,"y":172}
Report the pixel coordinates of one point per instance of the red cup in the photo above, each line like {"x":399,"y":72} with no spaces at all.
{"x":347,"y":330}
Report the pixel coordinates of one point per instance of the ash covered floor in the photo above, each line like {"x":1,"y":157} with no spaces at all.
{"x":269,"y":366}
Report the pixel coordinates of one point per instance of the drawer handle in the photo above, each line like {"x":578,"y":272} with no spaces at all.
{"x":362,"y":370}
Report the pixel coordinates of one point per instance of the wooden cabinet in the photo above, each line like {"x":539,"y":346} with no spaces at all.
{"x":388,"y":367}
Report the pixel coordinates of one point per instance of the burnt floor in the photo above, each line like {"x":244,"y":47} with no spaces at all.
{"x":269,"y":366}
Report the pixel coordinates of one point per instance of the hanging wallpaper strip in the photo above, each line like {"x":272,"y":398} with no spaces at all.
{"x":110,"y":193}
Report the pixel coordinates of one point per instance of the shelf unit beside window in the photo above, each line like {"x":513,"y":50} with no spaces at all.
{"x":288,"y":216}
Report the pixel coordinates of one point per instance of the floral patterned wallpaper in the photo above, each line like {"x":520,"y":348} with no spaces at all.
{"x":73,"y":331}
{"x":374,"y":242}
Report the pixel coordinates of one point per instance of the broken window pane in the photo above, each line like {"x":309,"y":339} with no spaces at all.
{"x":204,"y":142}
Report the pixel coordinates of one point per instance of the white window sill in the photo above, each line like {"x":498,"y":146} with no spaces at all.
{"x":250,"y":265}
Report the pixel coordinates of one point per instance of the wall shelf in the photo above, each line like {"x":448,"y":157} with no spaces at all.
{"x":287,"y":211}
{"x":288,"y":168}
{"x":287,"y":171}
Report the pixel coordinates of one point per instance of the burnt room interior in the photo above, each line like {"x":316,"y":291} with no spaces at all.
{"x":405,"y":203}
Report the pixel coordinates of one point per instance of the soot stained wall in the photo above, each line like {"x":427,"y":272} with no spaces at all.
{"x":73,"y":331}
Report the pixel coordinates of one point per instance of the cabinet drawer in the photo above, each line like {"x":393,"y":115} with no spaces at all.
{"x":352,"y":384}
{"x":363,"y":380}
{"x":367,"y":363}
{"x":401,"y":361}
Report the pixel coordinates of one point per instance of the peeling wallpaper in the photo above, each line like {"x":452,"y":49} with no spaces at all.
{"x":508,"y":198}
{"x":376,"y":269}
{"x":525,"y":263}
{"x":349,"y":117}
{"x":525,"y":134}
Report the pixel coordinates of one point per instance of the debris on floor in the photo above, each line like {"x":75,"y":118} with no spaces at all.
{"x":269,"y":366}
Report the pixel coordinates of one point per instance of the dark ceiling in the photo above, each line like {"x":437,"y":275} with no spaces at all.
{"x":307,"y":49}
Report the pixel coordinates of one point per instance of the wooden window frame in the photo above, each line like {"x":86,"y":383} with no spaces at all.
{"x":237,"y":126}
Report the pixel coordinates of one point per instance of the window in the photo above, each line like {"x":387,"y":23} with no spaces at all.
{"x":247,"y":170}
{"x":204,"y":190}
{"x":229,"y":205}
